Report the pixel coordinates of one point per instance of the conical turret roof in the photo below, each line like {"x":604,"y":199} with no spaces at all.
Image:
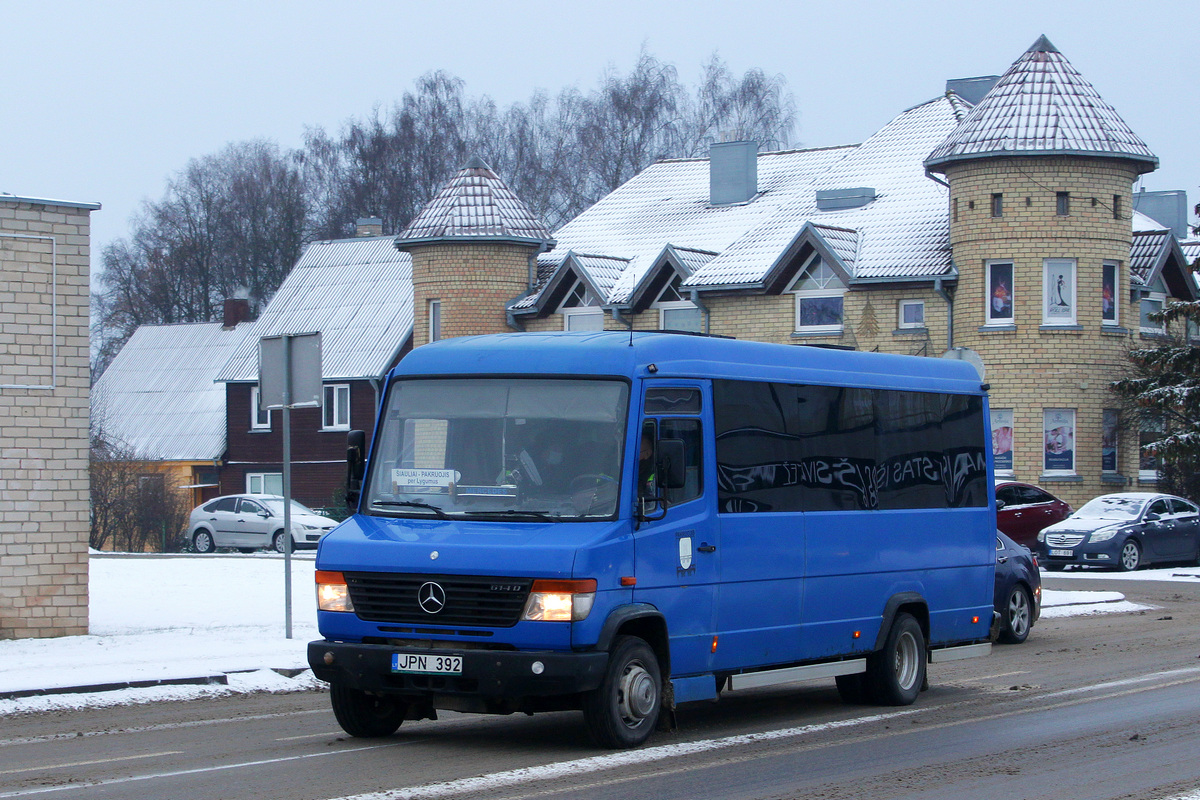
{"x":475,"y":205}
{"x":1042,"y":106}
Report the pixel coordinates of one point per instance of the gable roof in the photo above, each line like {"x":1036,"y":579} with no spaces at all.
{"x":356,"y":292}
{"x":162,"y":377}
{"x":475,"y":204}
{"x":1042,"y":106}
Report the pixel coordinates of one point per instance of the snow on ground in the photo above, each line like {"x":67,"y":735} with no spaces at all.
{"x":163,"y":618}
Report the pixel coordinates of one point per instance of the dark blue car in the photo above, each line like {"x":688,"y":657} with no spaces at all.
{"x":1124,"y":531}
{"x":1018,"y":589}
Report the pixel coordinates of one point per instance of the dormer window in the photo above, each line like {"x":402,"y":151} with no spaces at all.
{"x":674,"y":312}
{"x":581,"y":310}
{"x":819,"y":294}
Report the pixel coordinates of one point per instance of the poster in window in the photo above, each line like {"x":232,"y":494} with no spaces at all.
{"x":1000,"y":287}
{"x":1108,"y":294}
{"x":1059,"y":428}
{"x":1108,"y":451}
{"x":1002,"y":439}
{"x":1060,"y":292}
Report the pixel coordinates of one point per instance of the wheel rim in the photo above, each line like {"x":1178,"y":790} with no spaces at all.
{"x":907,"y":665}
{"x":278,"y":543}
{"x":1018,"y":613}
{"x":1129,"y":556}
{"x":637,"y":694}
{"x":203,"y":542}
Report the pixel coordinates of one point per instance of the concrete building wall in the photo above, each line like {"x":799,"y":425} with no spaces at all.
{"x":44,"y":384}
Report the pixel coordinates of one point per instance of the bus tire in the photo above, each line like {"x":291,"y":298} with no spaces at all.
{"x":623,"y":710}
{"x":896,"y":673}
{"x":366,"y":716}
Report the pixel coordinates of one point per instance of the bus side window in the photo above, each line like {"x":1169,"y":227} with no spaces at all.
{"x":689,"y":432}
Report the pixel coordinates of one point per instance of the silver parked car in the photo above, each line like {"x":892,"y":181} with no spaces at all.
{"x":253,"y":521}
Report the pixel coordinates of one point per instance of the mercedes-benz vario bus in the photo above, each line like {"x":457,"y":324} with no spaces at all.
{"x":622,"y":522}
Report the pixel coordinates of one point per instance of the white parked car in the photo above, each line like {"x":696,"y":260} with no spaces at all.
{"x":253,"y":521}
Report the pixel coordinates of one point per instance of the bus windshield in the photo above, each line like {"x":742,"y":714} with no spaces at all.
{"x":499,"y":448}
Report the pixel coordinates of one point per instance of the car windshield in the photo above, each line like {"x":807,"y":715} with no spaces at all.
{"x":500,"y":448}
{"x":276,"y":507}
{"x":1112,"y":506}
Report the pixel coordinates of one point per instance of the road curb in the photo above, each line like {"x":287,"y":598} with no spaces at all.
{"x":219,"y":679}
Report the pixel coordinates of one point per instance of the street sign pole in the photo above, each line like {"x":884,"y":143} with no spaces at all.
{"x":289,"y":377}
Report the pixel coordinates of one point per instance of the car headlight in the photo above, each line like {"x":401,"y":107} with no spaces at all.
{"x":1104,"y":534}
{"x":332,"y":592}
{"x":560,"y":601}
{"x":1041,"y":537}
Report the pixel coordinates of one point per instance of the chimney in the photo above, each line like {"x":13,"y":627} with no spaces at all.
{"x":368,"y":226}
{"x":972,"y":89}
{"x":237,"y":309}
{"x":1169,"y":209}
{"x":732,"y":173}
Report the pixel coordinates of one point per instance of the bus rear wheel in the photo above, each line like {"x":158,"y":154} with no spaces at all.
{"x":896,"y":673}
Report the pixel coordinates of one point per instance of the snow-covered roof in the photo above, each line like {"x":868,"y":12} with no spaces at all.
{"x":356,"y":292}
{"x":1042,"y":106}
{"x":902,"y":233}
{"x":162,"y":377}
{"x":475,"y":204}
{"x":1191,"y":251}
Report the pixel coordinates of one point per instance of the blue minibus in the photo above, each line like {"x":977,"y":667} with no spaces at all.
{"x":623,"y":522}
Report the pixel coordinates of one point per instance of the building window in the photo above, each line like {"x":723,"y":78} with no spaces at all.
{"x":818,"y":293}
{"x":1000,"y":293}
{"x":264,"y":483}
{"x":581,"y":310}
{"x":1109,"y":292}
{"x":1062,"y":204}
{"x":1151,"y":431}
{"x":997,"y":205}
{"x":1002,"y":440}
{"x":1152,"y":303}
{"x":1116,"y":206}
{"x":1058,"y":425}
{"x":1109,"y":441}
{"x":260,"y":418}
{"x":675,"y":313}
{"x":1058,"y":291}
{"x":954,"y":205}
{"x":435,"y":320}
{"x":912,"y":314}
{"x":335,"y":409}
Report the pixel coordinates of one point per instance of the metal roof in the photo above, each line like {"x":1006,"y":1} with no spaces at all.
{"x":475,"y":204}
{"x":356,"y":292}
{"x":162,"y":379}
{"x":1042,"y":106}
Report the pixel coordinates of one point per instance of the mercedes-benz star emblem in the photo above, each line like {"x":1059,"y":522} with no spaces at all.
{"x":431,"y":597}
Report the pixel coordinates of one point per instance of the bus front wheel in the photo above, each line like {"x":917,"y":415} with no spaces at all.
{"x":896,"y":673}
{"x":624,"y":709}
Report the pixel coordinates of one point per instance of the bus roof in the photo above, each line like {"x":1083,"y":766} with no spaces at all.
{"x":675,"y":355}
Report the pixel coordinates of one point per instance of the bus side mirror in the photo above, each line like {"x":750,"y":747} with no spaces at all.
{"x":671,"y":471}
{"x":356,"y":448}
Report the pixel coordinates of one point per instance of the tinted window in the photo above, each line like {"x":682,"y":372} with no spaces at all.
{"x":1182,"y":507}
{"x":1008,"y":495}
{"x":1158,"y":507}
{"x":687,"y":431}
{"x":225,"y":504}
{"x":784,"y":447}
{"x":1033,"y":495}
{"x":672,"y":401}
{"x":249,"y":507}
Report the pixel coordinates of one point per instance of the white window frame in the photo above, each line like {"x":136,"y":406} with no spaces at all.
{"x":678,"y":305}
{"x":256,"y":482}
{"x":585,"y":318}
{"x":826,"y":289}
{"x":260,"y":418}
{"x":1115,"y":266}
{"x":335,"y":416}
{"x":989,"y":309}
{"x":1153,"y":297}
{"x":903,"y":304}
{"x":1059,"y":417}
{"x":435,"y":320}
{"x":1053,"y":291}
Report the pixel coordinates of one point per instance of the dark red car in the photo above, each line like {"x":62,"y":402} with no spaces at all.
{"x":1023,"y":510}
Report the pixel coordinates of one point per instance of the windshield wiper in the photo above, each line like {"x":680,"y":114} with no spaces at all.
{"x":412,"y":504}
{"x":512,"y":512}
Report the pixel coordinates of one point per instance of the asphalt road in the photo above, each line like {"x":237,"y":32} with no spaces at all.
{"x":1090,"y":707}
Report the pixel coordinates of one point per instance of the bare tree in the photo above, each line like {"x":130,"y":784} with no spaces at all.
{"x":133,"y":507}
{"x":752,"y":108}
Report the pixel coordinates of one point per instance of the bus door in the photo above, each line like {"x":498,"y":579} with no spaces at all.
{"x":677,"y":547}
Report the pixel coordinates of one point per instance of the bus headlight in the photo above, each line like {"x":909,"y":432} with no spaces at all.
{"x":560,"y":601}
{"x":332,"y":592}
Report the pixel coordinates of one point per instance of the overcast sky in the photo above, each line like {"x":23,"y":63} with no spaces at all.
{"x":104,"y":100}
